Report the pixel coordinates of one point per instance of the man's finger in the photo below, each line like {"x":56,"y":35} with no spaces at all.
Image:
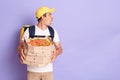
{"x":21,"y":59}
{"x":22,"y":53}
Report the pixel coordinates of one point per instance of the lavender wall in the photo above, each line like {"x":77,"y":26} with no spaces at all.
{"x":89,"y":32}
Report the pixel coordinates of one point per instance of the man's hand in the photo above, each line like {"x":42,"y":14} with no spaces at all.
{"x":57,"y":51}
{"x":54,"y":55}
{"x":22,"y":55}
{"x":21,"y":52}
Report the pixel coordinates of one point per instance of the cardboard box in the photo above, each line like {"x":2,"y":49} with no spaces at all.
{"x":38,"y":55}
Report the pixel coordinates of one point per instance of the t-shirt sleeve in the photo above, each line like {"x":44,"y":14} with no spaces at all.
{"x":25,"y":35}
{"x":56,"y":37}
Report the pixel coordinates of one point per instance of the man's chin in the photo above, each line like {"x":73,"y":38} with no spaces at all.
{"x":49,"y":24}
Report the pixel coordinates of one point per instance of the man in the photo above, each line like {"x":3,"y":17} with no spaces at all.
{"x":44,"y":17}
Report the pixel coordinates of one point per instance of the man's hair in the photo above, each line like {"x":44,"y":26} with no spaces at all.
{"x":41,"y":17}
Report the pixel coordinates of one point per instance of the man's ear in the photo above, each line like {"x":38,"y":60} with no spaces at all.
{"x":43,"y":17}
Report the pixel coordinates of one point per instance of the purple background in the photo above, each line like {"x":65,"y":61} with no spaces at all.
{"x":89,"y":31}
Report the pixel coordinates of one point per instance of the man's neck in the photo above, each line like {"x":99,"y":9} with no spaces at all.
{"x":42,"y":26}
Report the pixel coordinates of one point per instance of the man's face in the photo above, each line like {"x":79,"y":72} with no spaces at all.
{"x":48,"y":19}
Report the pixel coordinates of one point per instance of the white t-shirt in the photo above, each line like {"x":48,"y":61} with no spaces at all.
{"x":41,"y":32}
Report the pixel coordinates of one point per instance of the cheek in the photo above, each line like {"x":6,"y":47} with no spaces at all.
{"x":47,"y":21}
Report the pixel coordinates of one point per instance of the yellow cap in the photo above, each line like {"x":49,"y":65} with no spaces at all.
{"x":42,"y":10}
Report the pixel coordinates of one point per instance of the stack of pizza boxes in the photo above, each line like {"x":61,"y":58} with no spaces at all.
{"x":38,"y":51}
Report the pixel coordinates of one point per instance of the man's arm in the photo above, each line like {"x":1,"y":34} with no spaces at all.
{"x":20,"y":51}
{"x":58,"y":50}
{"x":21,"y":45}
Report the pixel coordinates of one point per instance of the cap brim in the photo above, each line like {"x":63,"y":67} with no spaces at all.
{"x":51,"y":10}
